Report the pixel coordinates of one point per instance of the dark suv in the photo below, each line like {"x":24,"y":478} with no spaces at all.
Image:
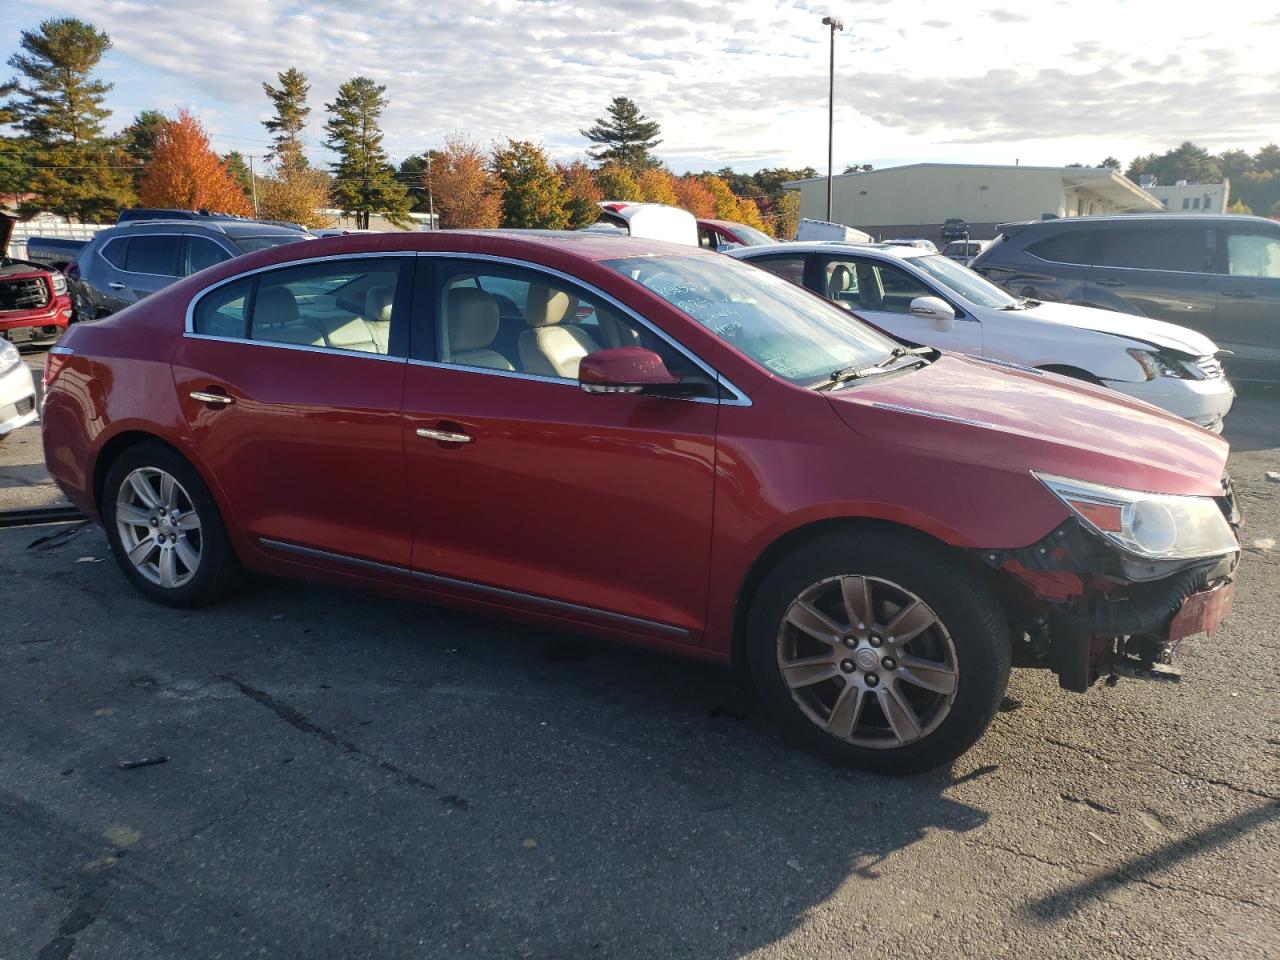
{"x":123,"y":264}
{"x":1219,"y":275}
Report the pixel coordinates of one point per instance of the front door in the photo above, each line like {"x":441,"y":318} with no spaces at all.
{"x":525,"y":489}
{"x":291,"y":382}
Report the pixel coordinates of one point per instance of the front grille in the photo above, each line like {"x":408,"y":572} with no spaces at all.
{"x":25,"y":293}
{"x":26,"y":405}
{"x":1210,"y":367}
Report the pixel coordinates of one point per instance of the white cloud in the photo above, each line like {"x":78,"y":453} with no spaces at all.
{"x":742,"y":83}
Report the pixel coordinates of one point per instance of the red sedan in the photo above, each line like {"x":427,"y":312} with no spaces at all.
{"x":654,"y":444}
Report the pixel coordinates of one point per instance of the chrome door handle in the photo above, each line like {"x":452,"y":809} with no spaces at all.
{"x":444,"y":436}
{"x":221,"y":399}
{"x":1239,"y":294}
{"x":115,"y":285}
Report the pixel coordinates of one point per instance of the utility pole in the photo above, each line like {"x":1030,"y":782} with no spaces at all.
{"x":431,"y":200}
{"x":253,"y":185}
{"x":835,"y":25}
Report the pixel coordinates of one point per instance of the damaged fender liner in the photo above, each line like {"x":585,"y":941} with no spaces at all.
{"x":1092,"y":594}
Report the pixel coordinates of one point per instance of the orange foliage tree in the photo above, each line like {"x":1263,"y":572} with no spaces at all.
{"x":184,"y":173}
{"x":656,"y":186}
{"x":467,"y":194}
{"x":692,"y":194}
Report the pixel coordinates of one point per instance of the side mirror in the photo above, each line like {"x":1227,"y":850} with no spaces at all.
{"x":625,"y":370}
{"x":935,"y":309}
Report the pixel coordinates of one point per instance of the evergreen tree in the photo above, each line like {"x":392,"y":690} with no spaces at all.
{"x":532,"y":194}
{"x":58,"y":106}
{"x":239,"y":172}
{"x":364,"y":180}
{"x":624,"y":137}
{"x":290,"y":103}
{"x":1110,"y":163}
{"x":138,"y":140}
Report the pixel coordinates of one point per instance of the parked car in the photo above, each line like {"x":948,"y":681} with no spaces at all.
{"x":683,"y":452}
{"x":123,"y":264}
{"x":17,"y":391}
{"x":726,"y":234}
{"x":652,"y":221}
{"x":1219,"y":275}
{"x":928,"y":299}
{"x":55,"y":252}
{"x":818,"y":230}
{"x":963,"y":251}
{"x":954,"y":228}
{"x":916,"y":243}
{"x":34,"y":304}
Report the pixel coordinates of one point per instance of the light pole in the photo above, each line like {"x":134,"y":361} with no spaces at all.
{"x":835,"y":25}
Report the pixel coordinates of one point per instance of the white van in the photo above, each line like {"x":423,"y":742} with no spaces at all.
{"x":653,"y":221}
{"x":816,"y":231}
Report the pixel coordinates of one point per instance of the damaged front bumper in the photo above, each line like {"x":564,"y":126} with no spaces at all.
{"x":1086,"y":609}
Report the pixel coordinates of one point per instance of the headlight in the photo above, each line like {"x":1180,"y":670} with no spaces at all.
{"x":59,"y":284}
{"x":1160,"y":365}
{"x":1151,"y":525}
{"x":9,"y":356}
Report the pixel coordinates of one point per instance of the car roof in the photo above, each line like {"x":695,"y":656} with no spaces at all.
{"x":888,"y":250}
{"x":1144,"y":217}
{"x":731,"y":224}
{"x":227,"y":227}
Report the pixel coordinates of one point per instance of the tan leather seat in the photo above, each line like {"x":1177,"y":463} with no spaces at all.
{"x":377,"y":313}
{"x":471,"y":323}
{"x":549,"y":347}
{"x":275,"y":319}
{"x":840,"y":282}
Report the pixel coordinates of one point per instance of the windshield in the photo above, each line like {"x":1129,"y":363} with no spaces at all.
{"x":752,"y":237}
{"x":963,"y":281}
{"x":250,"y":244}
{"x":785,"y":328}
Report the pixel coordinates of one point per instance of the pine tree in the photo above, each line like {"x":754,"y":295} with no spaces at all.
{"x":625,"y":136}
{"x":138,"y":140}
{"x":58,"y":106}
{"x":239,"y":172}
{"x":532,"y":194}
{"x":290,"y":103}
{"x":186,"y":174}
{"x":364,"y":180}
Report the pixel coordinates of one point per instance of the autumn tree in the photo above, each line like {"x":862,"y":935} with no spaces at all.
{"x":57,"y":104}
{"x":295,"y":194}
{"x":624,"y":136}
{"x":693,"y":195}
{"x":582,"y":195}
{"x":532,"y":194}
{"x":289,"y":101}
{"x":467,"y":194}
{"x":184,"y":172}
{"x":364,"y":181}
{"x":787,"y":215}
{"x":655,"y":186}
{"x":617,"y":182}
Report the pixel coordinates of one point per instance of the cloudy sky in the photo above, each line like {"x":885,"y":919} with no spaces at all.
{"x":740,"y":83}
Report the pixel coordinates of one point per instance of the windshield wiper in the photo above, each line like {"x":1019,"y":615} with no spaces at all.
{"x":844,"y":374}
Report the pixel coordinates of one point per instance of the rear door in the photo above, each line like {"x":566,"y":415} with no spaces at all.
{"x":152,"y":262}
{"x":1248,"y":319}
{"x":290,"y":380}
{"x":1157,"y":270}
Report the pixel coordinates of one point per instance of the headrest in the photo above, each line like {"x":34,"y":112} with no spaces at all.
{"x":472,"y":318}
{"x":547,"y":306}
{"x":275,"y":306}
{"x":377,"y":304}
{"x":841,"y":279}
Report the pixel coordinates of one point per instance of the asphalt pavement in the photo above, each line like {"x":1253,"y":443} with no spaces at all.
{"x":348,"y":776}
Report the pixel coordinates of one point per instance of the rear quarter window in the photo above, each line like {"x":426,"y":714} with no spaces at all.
{"x":1072,"y":246}
{"x":223,"y":312}
{"x":115,"y":252}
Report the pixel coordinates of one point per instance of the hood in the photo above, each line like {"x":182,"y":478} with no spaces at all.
{"x":6,"y":233}
{"x":1158,"y":333}
{"x":969,"y":411}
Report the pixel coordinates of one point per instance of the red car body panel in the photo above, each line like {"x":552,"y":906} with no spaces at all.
{"x":630,"y":516}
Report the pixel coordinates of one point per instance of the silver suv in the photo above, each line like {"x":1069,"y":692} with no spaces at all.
{"x":123,"y":264}
{"x":1219,"y":275}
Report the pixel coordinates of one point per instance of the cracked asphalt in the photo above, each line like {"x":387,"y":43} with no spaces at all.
{"x":349,"y":776}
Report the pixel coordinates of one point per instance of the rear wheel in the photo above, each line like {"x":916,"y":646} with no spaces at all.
{"x":880,"y":649}
{"x":165,"y":529}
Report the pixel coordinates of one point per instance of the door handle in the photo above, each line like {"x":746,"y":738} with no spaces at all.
{"x":116,"y":285}
{"x":218,"y":399}
{"x":1239,"y":294}
{"x":444,"y":436}
{"x":1110,"y":282}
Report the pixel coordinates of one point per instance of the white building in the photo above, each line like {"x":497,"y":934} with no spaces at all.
{"x":915,"y":200}
{"x":1183,"y":197}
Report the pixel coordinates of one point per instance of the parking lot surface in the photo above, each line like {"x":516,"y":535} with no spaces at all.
{"x":349,"y":776}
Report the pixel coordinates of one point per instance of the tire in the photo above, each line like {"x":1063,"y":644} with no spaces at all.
{"x":950,"y":672}
{"x":201,"y":565}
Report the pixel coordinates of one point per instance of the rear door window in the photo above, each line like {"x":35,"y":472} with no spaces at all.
{"x":155,"y":255}
{"x":1253,"y":255}
{"x":789,"y":267}
{"x":1181,"y":247}
{"x":224,"y":311}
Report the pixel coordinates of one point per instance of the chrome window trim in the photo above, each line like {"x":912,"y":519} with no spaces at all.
{"x":482,"y":588}
{"x":302,"y":347}
{"x":739,"y":399}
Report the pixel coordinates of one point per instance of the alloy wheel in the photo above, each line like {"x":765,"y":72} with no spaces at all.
{"x":159,"y":527}
{"x":868,"y":661}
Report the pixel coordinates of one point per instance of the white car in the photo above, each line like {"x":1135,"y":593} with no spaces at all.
{"x":17,"y":390}
{"x":931,"y":300}
{"x":654,"y":221}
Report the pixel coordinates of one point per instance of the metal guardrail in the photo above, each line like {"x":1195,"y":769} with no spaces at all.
{"x":35,"y":516}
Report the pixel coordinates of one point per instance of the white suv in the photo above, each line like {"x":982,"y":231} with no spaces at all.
{"x":929,"y":299}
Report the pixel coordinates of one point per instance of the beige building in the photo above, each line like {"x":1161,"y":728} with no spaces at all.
{"x":915,"y":200}
{"x":1183,"y":197}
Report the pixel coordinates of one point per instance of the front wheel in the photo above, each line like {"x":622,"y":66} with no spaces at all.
{"x":879,"y":648}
